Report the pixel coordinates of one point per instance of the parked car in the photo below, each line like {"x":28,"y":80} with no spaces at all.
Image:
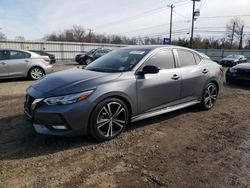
{"x":20,"y":63}
{"x":92,"y":55}
{"x":239,"y":72}
{"x":77,"y":57}
{"x":233,"y":60}
{"x":126,"y":85}
{"x":43,"y":53}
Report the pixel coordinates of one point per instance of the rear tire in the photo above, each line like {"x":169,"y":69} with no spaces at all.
{"x":35,"y":73}
{"x":209,"y":97}
{"x":109,"y":119}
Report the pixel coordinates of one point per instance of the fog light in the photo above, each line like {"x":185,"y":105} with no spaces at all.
{"x":59,"y":127}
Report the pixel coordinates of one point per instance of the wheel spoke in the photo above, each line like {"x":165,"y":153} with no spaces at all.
{"x":109,"y":110}
{"x":109,"y":129}
{"x":105,"y":109}
{"x":118,"y":112}
{"x":102,"y":123}
{"x":210,"y":102}
{"x":207,"y":99}
{"x":117,"y":123}
{"x":214,"y":97}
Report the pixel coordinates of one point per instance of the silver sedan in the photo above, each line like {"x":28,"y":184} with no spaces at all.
{"x":20,"y":63}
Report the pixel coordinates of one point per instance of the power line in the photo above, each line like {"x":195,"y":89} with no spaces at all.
{"x":226,"y":16}
{"x":151,"y":27}
{"x":131,"y":18}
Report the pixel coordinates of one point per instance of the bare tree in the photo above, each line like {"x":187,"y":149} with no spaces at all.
{"x":20,"y":38}
{"x":2,"y":36}
{"x":233,"y":30}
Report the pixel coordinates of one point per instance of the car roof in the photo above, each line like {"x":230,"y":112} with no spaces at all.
{"x":15,"y":50}
{"x":154,"y":47}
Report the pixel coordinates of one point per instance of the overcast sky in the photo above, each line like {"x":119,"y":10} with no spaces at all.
{"x":33,"y":19}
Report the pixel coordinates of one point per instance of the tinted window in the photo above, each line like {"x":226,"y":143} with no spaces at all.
{"x":4,"y":55}
{"x":18,"y":55}
{"x":186,"y":58}
{"x":197,"y":58}
{"x":163,"y":59}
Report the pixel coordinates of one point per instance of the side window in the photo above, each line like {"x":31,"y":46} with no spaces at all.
{"x":186,"y":58}
{"x":27,"y":55}
{"x":18,"y":55}
{"x":197,"y":58}
{"x":164,"y":59}
{"x":4,"y":55}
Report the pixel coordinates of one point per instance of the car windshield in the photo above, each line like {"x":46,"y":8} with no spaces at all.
{"x":91,"y":51}
{"x":233,"y":56}
{"x":120,"y":60}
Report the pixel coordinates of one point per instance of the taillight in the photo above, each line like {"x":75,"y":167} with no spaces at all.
{"x":221,"y":69}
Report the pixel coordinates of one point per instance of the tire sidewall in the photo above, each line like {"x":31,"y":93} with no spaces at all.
{"x":94,"y":115}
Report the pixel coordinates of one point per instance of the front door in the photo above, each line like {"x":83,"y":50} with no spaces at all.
{"x":155,"y":91}
{"x":18,"y":63}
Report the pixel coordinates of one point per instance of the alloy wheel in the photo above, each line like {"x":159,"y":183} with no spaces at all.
{"x":111,"y":119}
{"x":210,"y":96}
{"x":36,"y":73}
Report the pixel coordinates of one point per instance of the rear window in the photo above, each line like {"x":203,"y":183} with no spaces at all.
{"x":197,"y":58}
{"x":186,"y":58}
{"x":19,"y":55}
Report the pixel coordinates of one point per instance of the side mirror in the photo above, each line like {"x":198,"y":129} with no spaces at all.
{"x":150,"y":69}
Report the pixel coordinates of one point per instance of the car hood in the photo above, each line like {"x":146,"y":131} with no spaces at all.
{"x":242,"y":66}
{"x":69,"y":81}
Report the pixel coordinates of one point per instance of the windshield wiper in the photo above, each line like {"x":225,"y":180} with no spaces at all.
{"x":93,"y":69}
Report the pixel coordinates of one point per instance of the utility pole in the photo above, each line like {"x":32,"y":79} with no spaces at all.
{"x":232,"y":39}
{"x":241,"y":37}
{"x":90,"y":31}
{"x":193,"y":19}
{"x":171,"y":22}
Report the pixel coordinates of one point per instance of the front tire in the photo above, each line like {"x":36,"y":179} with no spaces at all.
{"x":109,"y":119}
{"x":209,"y":97}
{"x":35,"y":73}
{"x":88,"y":61}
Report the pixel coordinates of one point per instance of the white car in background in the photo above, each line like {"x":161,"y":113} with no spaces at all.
{"x":21,"y":63}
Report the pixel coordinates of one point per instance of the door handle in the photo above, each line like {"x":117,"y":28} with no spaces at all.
{"x":175,"y":77}
{"x":26,"y":60}
{"x":2,"y":63}
{"x":205,"y":71}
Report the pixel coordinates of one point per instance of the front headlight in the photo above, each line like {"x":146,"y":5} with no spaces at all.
{"x":232,"y":70}
{"x":68,"y":99}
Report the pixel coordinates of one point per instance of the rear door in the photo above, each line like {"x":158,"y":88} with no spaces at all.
{"x":155,"y":91}
{"x":18,"y":63}
{"x":4,"y":70}
{"x":194,"y":74}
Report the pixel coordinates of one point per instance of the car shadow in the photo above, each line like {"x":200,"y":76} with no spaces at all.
{"x":18,"y":139}
{"x":15,"y":80}
{"x":240,"y":85}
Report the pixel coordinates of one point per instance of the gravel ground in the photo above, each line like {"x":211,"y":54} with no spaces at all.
{"x":186,"y":148}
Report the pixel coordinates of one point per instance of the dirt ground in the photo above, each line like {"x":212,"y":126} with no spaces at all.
{"x":186,"y":148}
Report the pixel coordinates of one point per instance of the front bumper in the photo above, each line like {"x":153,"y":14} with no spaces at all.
{"x":58,"y":120}
{"x":237,"y":76}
